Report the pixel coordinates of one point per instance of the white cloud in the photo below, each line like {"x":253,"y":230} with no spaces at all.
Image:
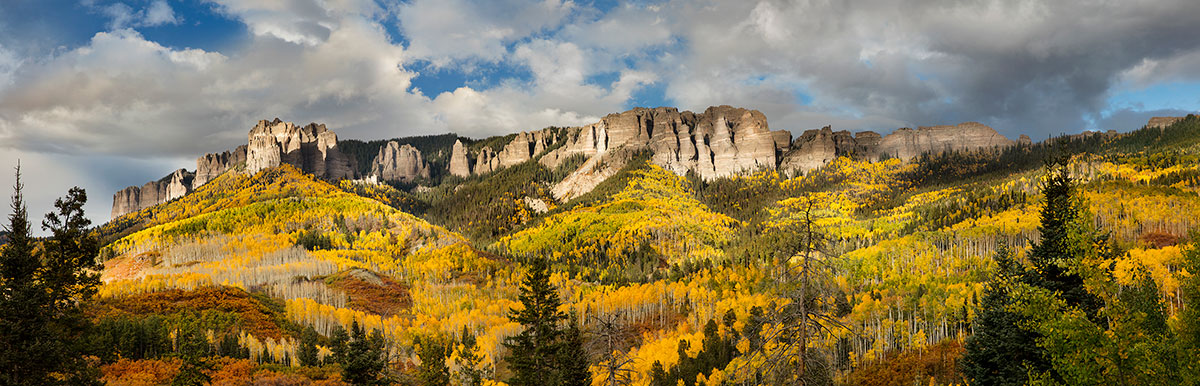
{"x":123,"y":16}
{"x":444,"y":31}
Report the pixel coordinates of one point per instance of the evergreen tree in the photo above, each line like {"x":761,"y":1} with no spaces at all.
{"x":365,"y":357}
{"x":1062,"y":244}
{"x":433,"y":370}
{"x":469,"y":361}
{"x":534,"y":350}
{"x":1000,"y":349}
{"x":339,"y":341}
{"x":573,"y":361}
{"x":40,"y":293}
{"x":307,"y":353}
{"x":1187,"y":344}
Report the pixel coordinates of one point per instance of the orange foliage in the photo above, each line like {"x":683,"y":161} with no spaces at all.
{"x":257,"y":319}
{"x":125,"y":372}
{"x":374,"y":293}
{"x":936,"y":364}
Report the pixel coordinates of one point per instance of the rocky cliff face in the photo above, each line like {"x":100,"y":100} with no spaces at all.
{"x":399,"y":163}
{"x":212,"y":165}
{"x":459,"y":164}
{"x":135,"y":198}
{"x":720,"y":141}
{"x":1162,"y":122}
{"x":908,"y":143}
{"x":311,"y":148}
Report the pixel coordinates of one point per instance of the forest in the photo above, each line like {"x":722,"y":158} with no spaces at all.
{"x":1066,"y":262}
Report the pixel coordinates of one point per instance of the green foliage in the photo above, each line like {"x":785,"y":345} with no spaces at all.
{"x":1063,"y":244}
{"x":433,"y":353}
{"x":314,"y":240}
{"x":307,"y":352}
{"x":471,"y":370}
{"x":572,"y":358}
{"x":1188,"y":336}
{"x":715,"y":352}
{"x":364,"y":358}
{"x":1002,"y":351}
{"x":41,"y":290}
{"x":484,"y":209}
{"x":543,"y":353}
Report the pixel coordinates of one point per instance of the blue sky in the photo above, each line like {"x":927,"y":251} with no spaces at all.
{"x":112,"y":93}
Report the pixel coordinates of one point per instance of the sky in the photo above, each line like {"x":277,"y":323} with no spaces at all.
{"x":105,"y":94}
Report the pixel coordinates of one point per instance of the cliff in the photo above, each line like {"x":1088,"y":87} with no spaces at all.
{"x":397,"y":162}
{"x":311,"y":148}
{"x":135,"y":198}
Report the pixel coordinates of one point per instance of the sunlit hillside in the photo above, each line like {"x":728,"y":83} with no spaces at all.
{"x":687,"y":277}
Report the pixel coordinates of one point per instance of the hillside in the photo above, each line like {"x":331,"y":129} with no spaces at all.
{"x":683,"y":266}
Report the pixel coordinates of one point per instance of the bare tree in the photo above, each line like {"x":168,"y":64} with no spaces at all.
{"x":803,"y":274}
{"x":611,"y":338}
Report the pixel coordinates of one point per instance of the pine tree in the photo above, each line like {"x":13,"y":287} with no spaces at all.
{"x":433,"y":370}
{"x":1000,"y":349}
{"x":40,"y":293}
{"x":307,"y":353}
{"x":572,"y":359}
{"x":533,"y":351}
{"x":365,"y":358}
{"x":470,"y":369}
{"x":1061,"y":245}
{"x":1187,"y":344}
{"x":339,"y":341}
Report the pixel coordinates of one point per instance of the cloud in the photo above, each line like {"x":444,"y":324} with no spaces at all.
{"x":1021,"y":66}
{"x":445,"y":31}
{"x":123,"y":16}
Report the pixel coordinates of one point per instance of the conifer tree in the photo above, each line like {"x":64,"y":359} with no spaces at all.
{"x":545,"y":353}
{"x":1000,"y":349}
{"x":307,"y":353}
{"x":339,"y":340}
{"x":433,"y":370}
{"x":40,"y":293}
{"x":1187,"y":344}
{"x":572,"y":358}
{"x":470,"y":369}
{"x":365,"y":357}
{"x":1061,"y":244}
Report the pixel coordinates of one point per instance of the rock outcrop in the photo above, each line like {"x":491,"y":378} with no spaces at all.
{"x":907,"y":143}
{"x":815,"y":148}
{"x":311,"y":148}
{"x":459,"y":164}
{"x":135,"y":198}
{"x":397,"y":162}
{"x":212,"y":165}
{"x":1162,"y":122}
{"x":721,"y":141}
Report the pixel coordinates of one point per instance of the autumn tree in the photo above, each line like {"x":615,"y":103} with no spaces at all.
{"x":41,"y":290}
{"x":1188,"y":343}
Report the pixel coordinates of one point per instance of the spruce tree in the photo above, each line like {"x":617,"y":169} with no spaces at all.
{"x":40,"y":294}
{"x":534,"y":351}
{"x":307,"y":353}
{"x":433,"y":370}
{"x":1061,"y":245}
{"x":365,"y":358}
{"x":573,"y":361}
{"x":469,"y":361}
{"x":999,"y":351}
